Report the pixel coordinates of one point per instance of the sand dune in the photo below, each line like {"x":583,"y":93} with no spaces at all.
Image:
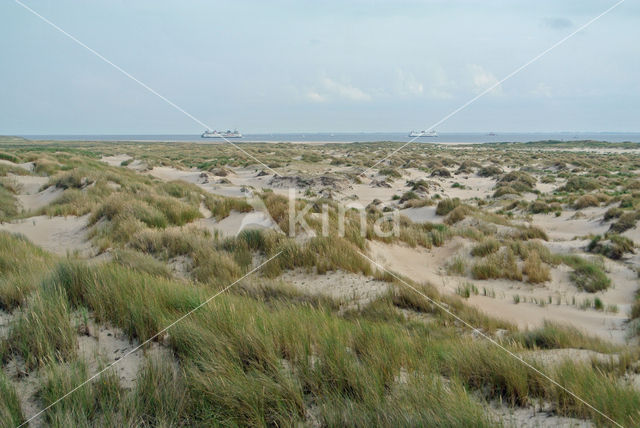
{"x":56,"y":234}
{"x":423,"y":265}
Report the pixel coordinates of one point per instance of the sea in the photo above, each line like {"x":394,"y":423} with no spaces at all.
{"x":345,"y":137}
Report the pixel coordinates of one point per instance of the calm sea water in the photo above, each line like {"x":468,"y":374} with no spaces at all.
{"x":444,"y":137}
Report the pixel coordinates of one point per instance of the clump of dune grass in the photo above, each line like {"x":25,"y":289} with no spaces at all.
{"x":44,"y":331}
{"x":441,"y":172}
{"x":578,"y":183}
{"x":221,"y":207}
{"x":22,"y":264}
{"x":502,"y":264}
{"x":445,"y":206}
{"x":8,"y":203}
{"x":161,"y":397}
{"x":535,"y":269}
{"x":9,"y":157}
{"x":556,"y":336}
{"x":10,"y":410}
{"x":489,"y":171}
{"x":614,"y":246}
{"x":625,"y":222}
{"x":505,"y":190}
{"x":539,"y":207}
{"x":456,"y":266}
{"x":485,"y":248}
{"x":390,"y":172}
{"x":586,"y":201}
{"x":141,"y":262}
{"x":613,"y":212}
{"x":587,"y":275}
{"x":101,"y":401}
{"x":519,"y":181}
{"x":531,"y":232}
{"x":457,"y":214}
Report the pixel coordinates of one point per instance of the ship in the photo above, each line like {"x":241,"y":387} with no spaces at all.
{"x":430,"y":133}
{"x":219,"y":134}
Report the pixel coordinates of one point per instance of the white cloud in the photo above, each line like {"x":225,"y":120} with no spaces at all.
{"x":436,"y":85}
{"x":483,"y":79}
{"x":330,"y":89}
{"x":316,"y":97}
{"x":542,"y":90}
{"x":344,"y":91}
{"x":408,"y":84}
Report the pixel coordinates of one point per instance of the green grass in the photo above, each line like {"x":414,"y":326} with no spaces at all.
{"x":265,"y":354}
{"x":22,"y":264}
{"x":485,"y":248}
{"x":8,"y":203}
{"x":587,"y":275}
{"x":502,"y":264}
{"x":11,"y":414}
{"x":100,"y":401}
{"x":445,"y":206}
{"x":44,"y":332}
{"x":535,"y":269}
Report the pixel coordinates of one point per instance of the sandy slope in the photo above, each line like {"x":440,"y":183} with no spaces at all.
{"x":30,"y":197}
{"x":56,"y":234}
{"x":423,"y":265}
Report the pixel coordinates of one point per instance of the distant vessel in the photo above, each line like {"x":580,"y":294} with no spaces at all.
{"x":430,"y":133}
{"x":491,"y":134}
{"x":218,"y":134}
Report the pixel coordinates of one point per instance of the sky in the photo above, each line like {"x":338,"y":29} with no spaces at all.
{"x":318,"y":66}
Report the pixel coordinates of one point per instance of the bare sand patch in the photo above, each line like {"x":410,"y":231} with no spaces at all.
{"x":33,"y":202}
{"x":104,"y":345}
{"x":201,"y":179}
{"x":30,"y":197}
{"x":236,"y":222}
{"x":339,"y":285}
{"x":422,"y":214}
{"x":533,"y":417}
{"x":422,"y":265}
{"x":115,"y":160}
{"x":572,"y":224}
{"x":474,"y":186}
{"x":58,"y":235}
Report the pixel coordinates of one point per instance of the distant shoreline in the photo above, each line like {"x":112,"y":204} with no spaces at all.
{"x":344,"y":138}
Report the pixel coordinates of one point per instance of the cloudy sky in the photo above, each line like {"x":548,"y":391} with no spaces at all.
{"x":335,"y":65}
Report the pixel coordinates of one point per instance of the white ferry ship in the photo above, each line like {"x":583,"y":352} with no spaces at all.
{"x":430,"y":133}
{"x":219,"y":134}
